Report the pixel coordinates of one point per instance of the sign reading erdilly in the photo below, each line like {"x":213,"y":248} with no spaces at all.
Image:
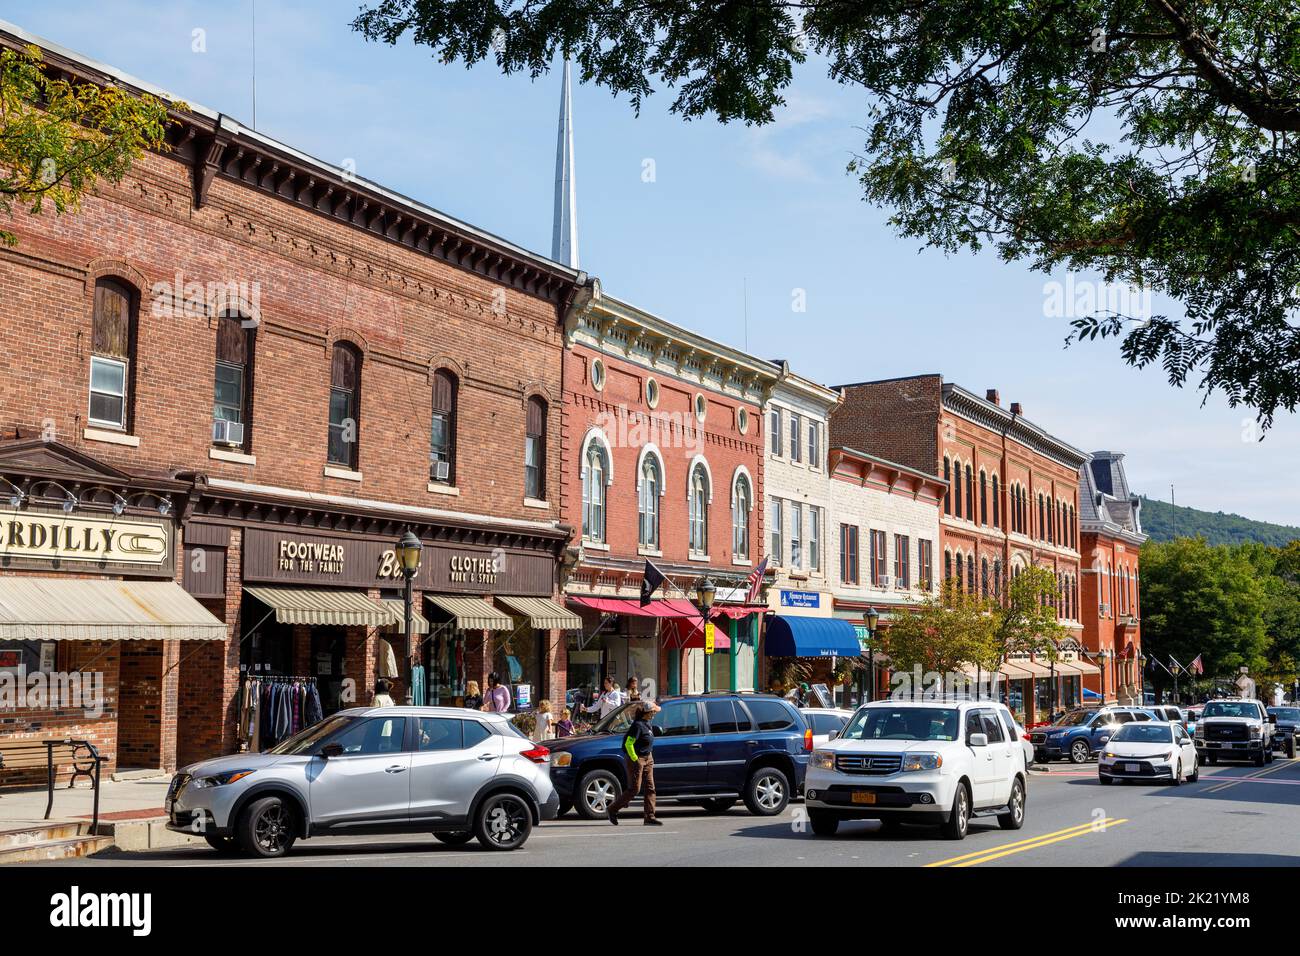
{"x":54,"y":536}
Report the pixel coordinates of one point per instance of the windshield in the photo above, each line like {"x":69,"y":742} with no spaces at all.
{"x":616,"y":721}
{"x":306,"y":739}
{"x":1223,"y":708}
{"x":1075,"y":717}
{"x":1286,"y":713}
{"x":1143,"y":734}
{"x":902,"y":723}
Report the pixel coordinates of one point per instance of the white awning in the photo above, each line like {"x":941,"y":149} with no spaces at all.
{"x":340,"y":608}
{"x":543,"y":613}
{"x":72,"y":609}
{"x":472,"y":613}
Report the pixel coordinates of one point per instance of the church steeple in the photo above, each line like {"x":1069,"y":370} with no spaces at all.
{"x":564,"y":235}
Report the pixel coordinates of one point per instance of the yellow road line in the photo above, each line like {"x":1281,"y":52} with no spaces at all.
{"x":1233,"y":781}
{"x":1001,"y":852}
{"x":1042,"y":836}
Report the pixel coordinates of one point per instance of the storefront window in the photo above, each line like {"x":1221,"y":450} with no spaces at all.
{"x":519,"y":663}
{"x":1043,"y":703}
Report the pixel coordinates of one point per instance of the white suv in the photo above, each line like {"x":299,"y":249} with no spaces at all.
{"x":920,"y":761}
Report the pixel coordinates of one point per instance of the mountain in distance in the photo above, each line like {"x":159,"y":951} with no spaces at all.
{"x":1162,"y":521}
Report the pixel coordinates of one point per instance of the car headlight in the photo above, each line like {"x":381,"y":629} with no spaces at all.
{"x":561,"y":759}
{"x":823,"y":759}
{"x":1109,"y":755}
{"x":220,"y":779}
{"x":1165,"y":756}
{"x":1256,"y":733}
{"x":913,"y":762}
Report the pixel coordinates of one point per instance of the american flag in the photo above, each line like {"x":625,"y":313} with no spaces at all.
{"x":755,"y":581}
{"x":1197,"y":666}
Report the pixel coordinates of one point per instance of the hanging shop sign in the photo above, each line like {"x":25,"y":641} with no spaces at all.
{"x":287,"y":557}
{"x":55,"y":539}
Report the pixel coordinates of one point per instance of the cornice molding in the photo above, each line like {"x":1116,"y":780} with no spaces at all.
{"x":995,"y":418}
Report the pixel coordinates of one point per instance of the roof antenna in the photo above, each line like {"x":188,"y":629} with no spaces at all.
{"x":254,"y":64}
{"x":564,"y":234}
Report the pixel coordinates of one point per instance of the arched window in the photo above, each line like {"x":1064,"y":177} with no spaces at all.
{"x":997,"y":504}
{"x":442,"y":433}
{"x":345,"y":400}
{"x":535,"y":450}
{"x":594,"y":480}
{"x":947,"y":565}
{"x":997,"y":578}
{"x":699,"y":510}
{"x":947,"y":476}
{"x":970,"y":496}
{"x":651,"y":486}
{"x":984,"y":577}
{"x":961,"y":575}
{"x":1042,"y":518}
{"x":984,"y":497}
{"x":232,"y":393}
{"x":741,"y":505}
{"x":970,"y":573}
{"x":112,"y":362}
{"x":956,"y":488}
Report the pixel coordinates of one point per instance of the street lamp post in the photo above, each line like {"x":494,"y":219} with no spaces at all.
{"x":1104,"y":654}
{"x":872,"y":619}
{"x":408,"y":559}
{"x":705,"y":592}
{"x":1142,"y":680}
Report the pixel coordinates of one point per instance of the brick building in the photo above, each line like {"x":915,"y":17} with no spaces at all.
{"x":290,"y":366}
{"x":662,"y":444}
{"x":1013,"y":500}
{"x":1110,"y":530}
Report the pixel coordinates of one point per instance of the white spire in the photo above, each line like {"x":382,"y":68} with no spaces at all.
{"x":564,"y":237}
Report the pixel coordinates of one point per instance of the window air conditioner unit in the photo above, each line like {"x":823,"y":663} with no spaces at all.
{"x":442,"y":470}
{"x":227,"y":433}
{"x":886,"y":581}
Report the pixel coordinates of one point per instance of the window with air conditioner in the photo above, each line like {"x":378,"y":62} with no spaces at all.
{"x":230,"y":390}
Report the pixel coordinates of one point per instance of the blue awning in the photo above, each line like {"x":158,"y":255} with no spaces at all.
{"x":810,"y":637}
{"x":1091,"y":694}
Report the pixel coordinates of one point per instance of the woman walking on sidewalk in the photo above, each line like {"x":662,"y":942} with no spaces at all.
{"x":638,"y":743}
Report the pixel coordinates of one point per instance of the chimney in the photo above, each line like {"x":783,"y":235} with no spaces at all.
{"x":993,"y":396}
{"x":1016,"y":409}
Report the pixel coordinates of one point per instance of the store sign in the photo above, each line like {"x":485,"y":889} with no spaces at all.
{"x":358,"y":562}
{"x":39,"y":537}
{"x":808,"y":599}
{"x":710,"y":637}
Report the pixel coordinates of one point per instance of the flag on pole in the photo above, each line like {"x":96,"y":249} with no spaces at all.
{"x":755,"y":581}
{"x":651,"y":580}
{"x":1197,"y":666}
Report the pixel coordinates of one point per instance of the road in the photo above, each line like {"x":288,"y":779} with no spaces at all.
{"x":1237,"y":815}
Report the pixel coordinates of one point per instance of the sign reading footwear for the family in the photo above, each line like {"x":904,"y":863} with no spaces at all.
{"x":43,"y":538}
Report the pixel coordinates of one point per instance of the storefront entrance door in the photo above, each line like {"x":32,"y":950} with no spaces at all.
{"x":327,"y":647}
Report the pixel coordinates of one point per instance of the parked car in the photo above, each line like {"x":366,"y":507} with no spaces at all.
{"x":1286,"y":732}
{"x":1191,"y":716}
{"x":1081,"y":732}
{"x":1235,"y":727}
{"x":1155,"y":750}
{"x":1026,"y":744}
{"x":1166,"y":712}
{"x":455,"y":773}
{"x":927,"y":762}
{"x":710,"y":750}
{"x":825,"y":721}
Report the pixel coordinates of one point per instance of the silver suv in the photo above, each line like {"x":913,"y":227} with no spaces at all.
{"x":455,"y":773}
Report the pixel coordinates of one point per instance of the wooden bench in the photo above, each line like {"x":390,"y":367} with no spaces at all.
{"x":81,"y":756}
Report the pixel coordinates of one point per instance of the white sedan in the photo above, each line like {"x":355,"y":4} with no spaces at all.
{"x":824,"y":721}
{"x":1149,"y":750}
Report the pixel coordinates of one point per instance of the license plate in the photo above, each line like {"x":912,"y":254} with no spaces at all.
{"x":864,"y":796}
{"x":1132,"y":768}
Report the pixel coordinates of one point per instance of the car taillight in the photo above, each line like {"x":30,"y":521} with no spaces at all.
{"x":537,"y":754}
{"x":1027,"y":737}
{"x":807,"y":740}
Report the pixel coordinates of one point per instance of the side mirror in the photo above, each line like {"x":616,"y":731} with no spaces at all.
{"x":331,"y":750}
{"x":977,"y":740}
{"x":1272,"y":718}
{"x":833,"y":734}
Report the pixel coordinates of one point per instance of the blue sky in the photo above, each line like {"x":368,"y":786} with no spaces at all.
{"x":729,"y":206}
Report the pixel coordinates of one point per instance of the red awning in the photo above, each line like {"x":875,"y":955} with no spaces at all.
{"x":686,"y":632}
{"x":666,"y":607}
{"x":737,"y":611}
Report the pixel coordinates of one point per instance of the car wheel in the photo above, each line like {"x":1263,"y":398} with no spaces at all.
{"x":823,"y":823}
{"x":1259,"y":759}
{"x":266,"y":828}
{"x":596,"y":791}
{"x":1178,"y":774}
{"x":958,"y":822}
{"x":222,"y":844}
{"x":767,"y":792}
{"x":1195,"y":775}
{"x":1214,"y":760}
{"x":1268,"y":754}
{"x":503,"y":822}
{"x":1080,"y":751}
{"x":718,"y":804}
{"x":454,"y":838}
{"x":1014,"y":818}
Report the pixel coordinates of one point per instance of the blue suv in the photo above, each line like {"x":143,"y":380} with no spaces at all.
{"x":1081,"y":733}
{"x":710,"y":750}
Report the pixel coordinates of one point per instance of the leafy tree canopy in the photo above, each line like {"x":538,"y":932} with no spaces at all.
{"x":1151,"y":141}
{"x":58,"y":138}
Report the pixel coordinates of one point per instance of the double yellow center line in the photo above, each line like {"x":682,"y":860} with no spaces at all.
{"x":1246,"y":778}
{"x":1033,"y":843}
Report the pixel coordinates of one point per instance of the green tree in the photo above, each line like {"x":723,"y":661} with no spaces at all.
{"x":1150,"y":141}
{"x":57,"y":138}
{"x":1024,"y":621}
{"x":943,"y":633}
{"x":1198,"y":599}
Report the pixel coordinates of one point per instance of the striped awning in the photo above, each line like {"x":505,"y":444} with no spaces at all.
{"x":1036,"y":668}
{"x":1078,"y":663}
{"x":397,"y":608}
{"x":543,"y":613}
{"x":472,"y":613}
{"x":55,"y":609}
{"x":342,"y":608}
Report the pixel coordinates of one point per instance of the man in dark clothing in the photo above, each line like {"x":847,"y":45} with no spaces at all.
{"x":638,"y":743}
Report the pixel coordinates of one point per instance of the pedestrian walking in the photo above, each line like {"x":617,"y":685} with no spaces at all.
{"x":638,"y":744}
{"x":545,"y":726}
{"x":382,"y":697}
{"x":473,"y":696}
{"x":609,"y":701}
{"x":498,"y":696}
